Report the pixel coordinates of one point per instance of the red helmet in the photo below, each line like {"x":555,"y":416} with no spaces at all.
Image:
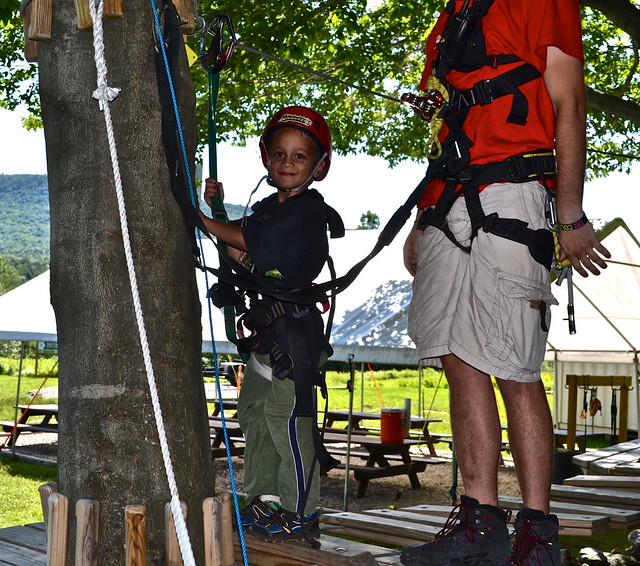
{"x":305,"y":119}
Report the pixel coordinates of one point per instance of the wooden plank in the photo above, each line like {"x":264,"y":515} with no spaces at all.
{"x":135,"y":517}
{"x":383,"y":556}
{"x":403,"y":529}
{"x":574,"y":525}
{"x":26,"y":537}
{"x":380,"y":538}
{"x":173,"y":555}
{"x":623,"y":519}
{"x":330,"y":553}
{"x":613,"y":498}
{"x":626,"y":483}
{"x":57,"y":529}
{"x":87,"y":514}
{"x":13,"y":555}
{"x":609,"y":464}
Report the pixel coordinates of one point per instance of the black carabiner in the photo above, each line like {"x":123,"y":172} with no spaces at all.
{"x":222,"y":44}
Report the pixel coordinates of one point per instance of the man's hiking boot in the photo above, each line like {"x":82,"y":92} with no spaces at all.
{"x":257,"y":511}
{"x":287,"y":526}
{"x":474,"y":535}
{"x":536,"y":540}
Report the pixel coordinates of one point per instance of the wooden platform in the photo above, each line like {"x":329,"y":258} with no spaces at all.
{"x":27,"y":546}
{"x":587,"y":506}
{"x":620,"y":459}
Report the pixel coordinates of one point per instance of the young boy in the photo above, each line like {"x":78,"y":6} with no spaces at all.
{"x":285,"y":238}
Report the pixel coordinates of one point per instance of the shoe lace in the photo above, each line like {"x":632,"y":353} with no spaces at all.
{"x":528,"y":540}
{"x":455,"y":524}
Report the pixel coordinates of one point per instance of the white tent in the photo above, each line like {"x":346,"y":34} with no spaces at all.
{"x":370,"y":322}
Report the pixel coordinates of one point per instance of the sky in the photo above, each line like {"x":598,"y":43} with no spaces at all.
{"x":355,"y":184}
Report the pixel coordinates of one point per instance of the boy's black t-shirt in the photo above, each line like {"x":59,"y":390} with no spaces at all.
{"x":289,"y":236}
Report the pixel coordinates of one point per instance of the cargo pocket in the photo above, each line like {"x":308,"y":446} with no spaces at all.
{"x":520,"y":322}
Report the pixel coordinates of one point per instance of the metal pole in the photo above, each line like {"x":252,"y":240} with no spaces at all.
{"x":362,"y":387}
{"x":15,"y":414}
{"x":350,"y":387}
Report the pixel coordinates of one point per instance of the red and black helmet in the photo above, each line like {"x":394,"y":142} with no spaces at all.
{"x":305,"y":119}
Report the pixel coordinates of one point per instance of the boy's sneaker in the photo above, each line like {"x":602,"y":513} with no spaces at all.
{"x":474,"y":535}
{"x":257,"y":511}
{"x":536,"y":540}
{"x":287,"y":526}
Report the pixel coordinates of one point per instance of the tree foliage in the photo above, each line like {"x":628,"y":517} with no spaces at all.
{"x":378,"y":46}
{"x":24,"y":219}
{"x":369,"y":221}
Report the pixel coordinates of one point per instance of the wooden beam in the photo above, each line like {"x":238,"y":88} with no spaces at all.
{"x":57,"y":532}
{"x":87,"y":513}
{"x":135,"y":535}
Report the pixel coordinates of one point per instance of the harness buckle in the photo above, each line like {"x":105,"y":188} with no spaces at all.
{"x":490,"y":221}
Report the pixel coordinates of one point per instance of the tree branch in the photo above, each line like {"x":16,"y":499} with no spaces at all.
{"x":622,"y":13}
{"x":613,"y":105}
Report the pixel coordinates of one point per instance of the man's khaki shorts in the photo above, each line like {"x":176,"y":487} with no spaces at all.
{"x":486,"y":307}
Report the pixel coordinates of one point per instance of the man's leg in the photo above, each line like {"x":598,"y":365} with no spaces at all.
{"x":476,"y":428}
{"x":531,"y":440}
{"x":477,"y":534}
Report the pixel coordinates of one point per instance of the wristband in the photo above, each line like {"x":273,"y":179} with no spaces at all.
{"x":574,"y":225}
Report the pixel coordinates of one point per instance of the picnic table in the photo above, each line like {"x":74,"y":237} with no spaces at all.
{"x":378,"y":456}
{"x":33,"y":418}
{"x":420,"y":425}
{"x":234,"y":437}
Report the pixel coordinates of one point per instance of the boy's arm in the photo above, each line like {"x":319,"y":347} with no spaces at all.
{"x":565,"y":84}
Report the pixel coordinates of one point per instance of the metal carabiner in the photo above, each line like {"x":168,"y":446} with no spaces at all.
{"x":216,"y":57}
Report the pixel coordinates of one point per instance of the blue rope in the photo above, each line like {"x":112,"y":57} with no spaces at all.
{"x":213,"y":343}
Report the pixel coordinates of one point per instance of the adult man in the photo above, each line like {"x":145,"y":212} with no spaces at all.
{"x":512,"y":70}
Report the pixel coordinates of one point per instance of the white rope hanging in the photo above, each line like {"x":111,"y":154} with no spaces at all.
{"x":104,"y":94}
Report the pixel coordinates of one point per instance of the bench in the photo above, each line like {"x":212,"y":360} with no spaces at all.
{"x":363,"y":474}
{"x":8,"y":426}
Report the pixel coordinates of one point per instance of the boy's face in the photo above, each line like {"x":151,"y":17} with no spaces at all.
{"x":293,"y":157}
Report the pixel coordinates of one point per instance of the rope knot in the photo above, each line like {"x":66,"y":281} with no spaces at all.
{"x":104,"y":94}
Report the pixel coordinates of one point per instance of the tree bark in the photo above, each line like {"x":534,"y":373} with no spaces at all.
{"x":108,"y":442}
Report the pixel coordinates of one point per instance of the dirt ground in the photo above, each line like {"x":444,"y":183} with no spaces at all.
{"x":436,"y":480}
{"x":436,"y":483}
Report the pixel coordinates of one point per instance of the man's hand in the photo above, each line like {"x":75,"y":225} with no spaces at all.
{"x":583,"y":249}
{"x":410,"y":251}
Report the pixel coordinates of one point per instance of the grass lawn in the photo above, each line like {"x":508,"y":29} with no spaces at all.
{"x":19,"y":497}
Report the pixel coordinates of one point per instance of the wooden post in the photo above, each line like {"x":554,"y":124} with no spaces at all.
{"x":185,"y":11}
{"x":45,"y":491}
{"x":226,"y":527}
{"x":218,"y":535}
{"x":135,"y":535}
{"x":173,"y":554}
{"x":57,"y":533}
{"x":113,"y":9}
{"x":87,"y":513}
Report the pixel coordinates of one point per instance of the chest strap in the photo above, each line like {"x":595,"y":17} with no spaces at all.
{"x":486,"y":91}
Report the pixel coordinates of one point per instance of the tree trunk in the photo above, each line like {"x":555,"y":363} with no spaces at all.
{"x":108,"y":442}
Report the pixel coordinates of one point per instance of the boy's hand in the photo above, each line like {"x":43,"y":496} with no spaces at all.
{"x":211,"y":190}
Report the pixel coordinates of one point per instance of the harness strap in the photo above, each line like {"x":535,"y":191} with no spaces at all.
{"x":517,"y":169}
{"x":485,"y":92}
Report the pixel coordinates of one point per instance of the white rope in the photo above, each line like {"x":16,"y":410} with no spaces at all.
{"x":104,"y":94}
